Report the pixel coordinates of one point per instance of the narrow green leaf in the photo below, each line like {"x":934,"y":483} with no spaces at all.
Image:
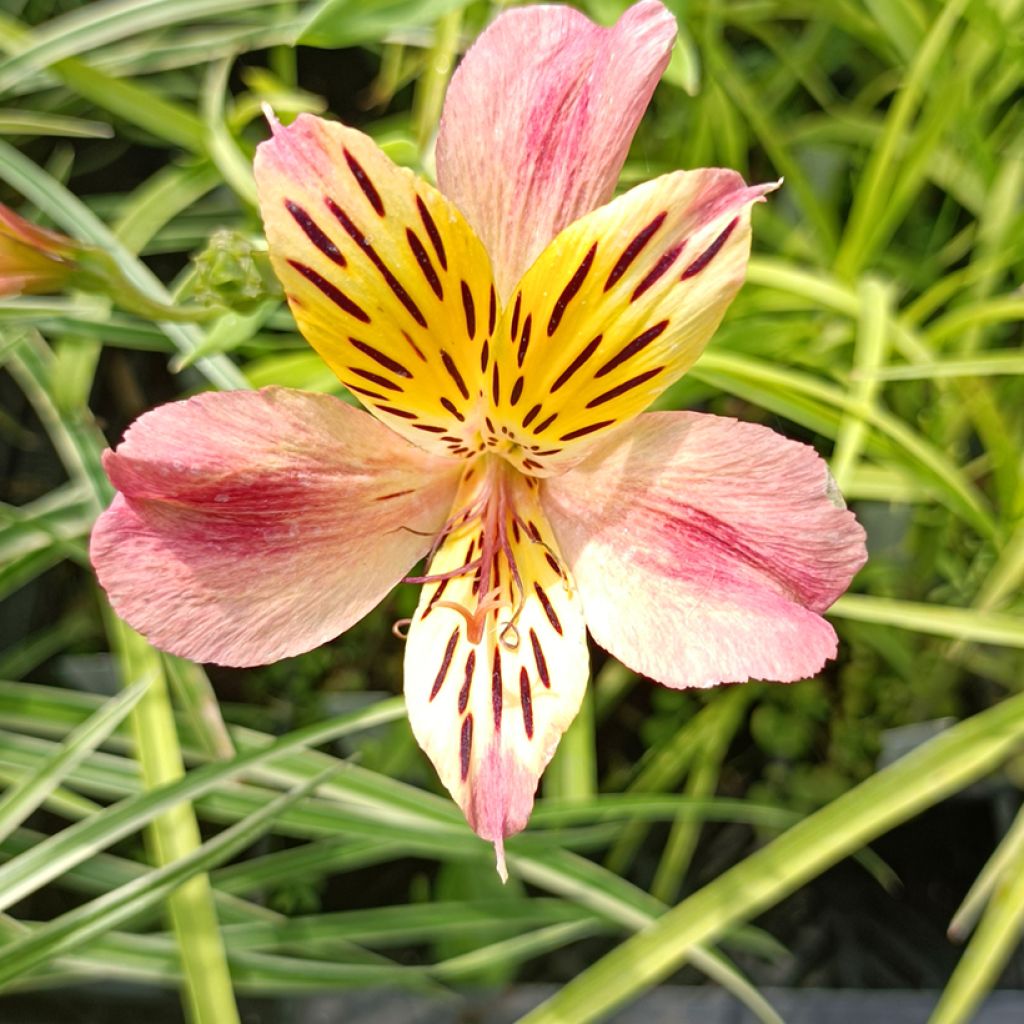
{"x":869,"y":353}
{"x":62,"y":851}
{"x":874,"y":189}
{"x":942,"y":766}
{"x":76,"y":927}
{"x":985,"y":627}
{"x":85,"y":29}
{"x":997,"y":936}
{"x":17,"y":803}
{"x":334,"y":24}
{"x":32,"y":122}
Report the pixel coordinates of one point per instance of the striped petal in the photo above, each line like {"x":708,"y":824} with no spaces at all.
{"x":385,"y":279}
{"x":496,"y":662}
{"x":538,"y":119}
{"x":616,"y":309}
{"x":251,"y":526}
{"x":705,"y":550}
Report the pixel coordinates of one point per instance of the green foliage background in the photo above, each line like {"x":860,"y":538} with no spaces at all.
{"x":880,"y":322}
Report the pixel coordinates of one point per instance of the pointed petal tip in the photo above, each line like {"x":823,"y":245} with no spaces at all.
{"x":268,"y":113}
{"x":499,"y":857}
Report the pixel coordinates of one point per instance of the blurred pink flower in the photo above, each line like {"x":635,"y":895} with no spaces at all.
{"x":33,"y":260}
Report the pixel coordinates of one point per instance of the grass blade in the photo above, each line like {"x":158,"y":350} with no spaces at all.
{"x":19,"y":802}
{"x":74,"y":928}
{"x":940,"y":767}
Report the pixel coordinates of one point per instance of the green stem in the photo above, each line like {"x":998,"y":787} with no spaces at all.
{"x":434,"y":81}
{"x":208,"y":993}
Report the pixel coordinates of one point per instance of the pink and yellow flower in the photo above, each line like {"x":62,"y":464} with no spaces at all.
{"x":504,"y":333}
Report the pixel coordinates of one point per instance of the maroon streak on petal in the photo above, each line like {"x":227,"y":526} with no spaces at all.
{"x":526,"y":702}
{"x":626,"y":385}
{"x":379,"y":357}
{"x":423,"y":261}
{"x":335,"y":294}
{"x":432,"y":233}
{"x":442,"y":672}
{"x":635,"y":247}
{"x":364,"y":243}
{"x":638,"y":344}
{"x":363,"y":180}
{"x":571,"y":290}
{"x":580,"y":359}
{"x":710,"y":252}
{"x":313,"y":233}
{"x":466,"y":745}
{"x":469,"y":309}
{"x":658,"y":271}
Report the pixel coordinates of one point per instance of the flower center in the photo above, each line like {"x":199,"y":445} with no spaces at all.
{"x":487,"y":532}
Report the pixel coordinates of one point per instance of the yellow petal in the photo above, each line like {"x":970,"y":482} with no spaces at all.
{"x":615,"y":310}
{"x":496,"y":662}
{"x":385,"y":279}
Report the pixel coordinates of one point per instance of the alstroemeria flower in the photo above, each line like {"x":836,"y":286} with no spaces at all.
{"x":504,"y":333}
{"x":33,"y":260}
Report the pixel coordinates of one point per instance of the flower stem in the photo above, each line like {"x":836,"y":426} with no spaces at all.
{"x":208,"y":994}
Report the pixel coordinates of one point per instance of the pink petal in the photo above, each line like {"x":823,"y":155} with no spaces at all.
{"x":704,"y":549}
{"x":256,"y":525}
{"x":538,"y":121}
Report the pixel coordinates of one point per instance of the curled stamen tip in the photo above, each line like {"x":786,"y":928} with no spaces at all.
{"x":509,"y":636}
{"x":400,"y":628}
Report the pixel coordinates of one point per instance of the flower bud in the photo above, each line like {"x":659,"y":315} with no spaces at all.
{"x":33,"y":260}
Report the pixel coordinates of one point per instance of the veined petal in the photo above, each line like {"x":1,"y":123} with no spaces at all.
{"x":705,"y":549}
{"x":251,"y":526}
{"x":496,"y":662}
{"x":385,"y":279}
{"x":615,"y":310}
{"x":538,"y":120}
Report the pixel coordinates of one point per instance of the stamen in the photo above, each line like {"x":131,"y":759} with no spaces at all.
{"x":441,"y":577}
